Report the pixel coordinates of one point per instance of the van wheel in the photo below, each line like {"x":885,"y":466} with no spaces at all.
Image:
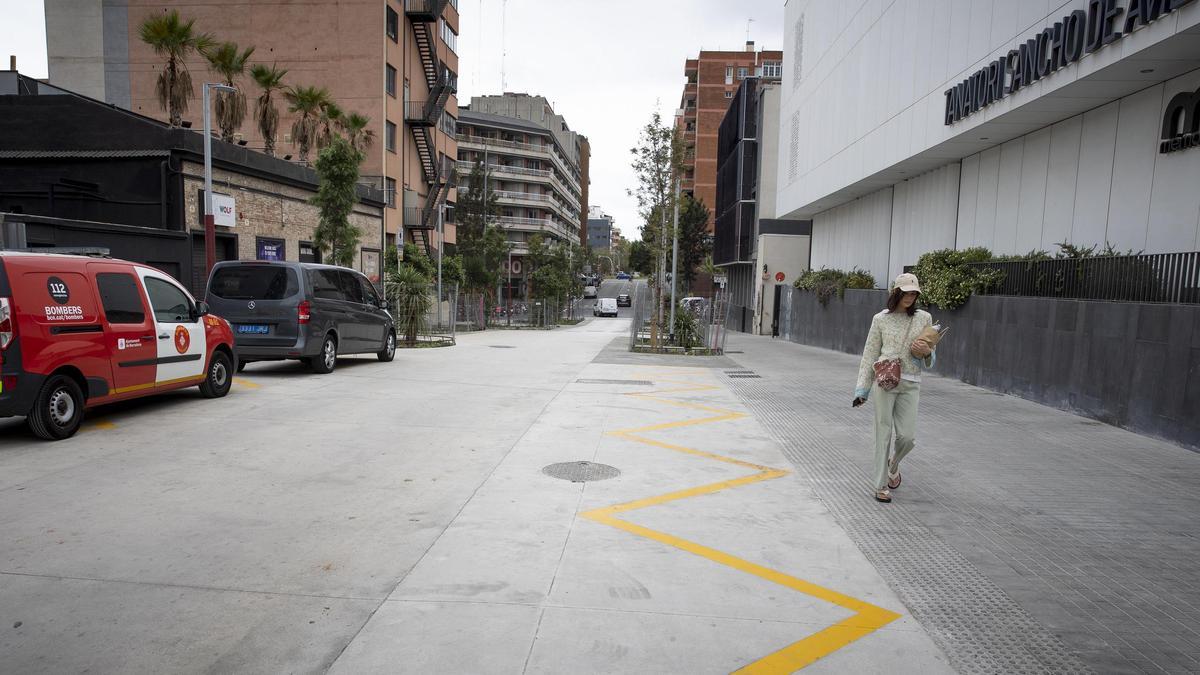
{"x":58,"y":410}
{"x":389,"y":348}
{"x":219,"y":377}
{"x":325,"y":361}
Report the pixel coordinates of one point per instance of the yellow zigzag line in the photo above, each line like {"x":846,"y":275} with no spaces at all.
{"x":867,"y":618}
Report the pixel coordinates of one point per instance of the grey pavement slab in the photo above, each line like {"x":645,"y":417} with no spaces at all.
{"x":1083,"y":533}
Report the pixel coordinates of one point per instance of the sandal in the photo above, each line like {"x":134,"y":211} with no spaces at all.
{"x":883,"y":496}
{"x":893,"y":480}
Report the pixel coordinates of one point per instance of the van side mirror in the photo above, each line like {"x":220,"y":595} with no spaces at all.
{"x":202,"y":308}
{"x":383,"y":304}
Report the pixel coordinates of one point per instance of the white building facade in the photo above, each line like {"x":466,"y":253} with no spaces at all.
{"x":914,"y":125}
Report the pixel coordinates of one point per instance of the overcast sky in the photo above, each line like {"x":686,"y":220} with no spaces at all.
{"x":605,"y":65}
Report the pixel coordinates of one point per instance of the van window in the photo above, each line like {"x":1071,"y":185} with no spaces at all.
{"x":254,"y":282}
{"x":369,"y":294}
{"x":121,"y":299}
{"x":170,"y":305}
{"x":326,"y":285}
{"x":351,"y":289}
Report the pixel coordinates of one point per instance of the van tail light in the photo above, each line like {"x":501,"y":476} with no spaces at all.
{"x":6,"y":323}
{"x":303,"y":311}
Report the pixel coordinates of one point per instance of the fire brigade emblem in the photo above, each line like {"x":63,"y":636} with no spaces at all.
{"x":182,"y":339}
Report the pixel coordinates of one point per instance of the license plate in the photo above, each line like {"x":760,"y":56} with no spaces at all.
{"x":253,"y":329}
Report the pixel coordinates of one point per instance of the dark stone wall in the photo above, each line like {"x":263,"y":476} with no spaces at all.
{"x":1132,"y":365}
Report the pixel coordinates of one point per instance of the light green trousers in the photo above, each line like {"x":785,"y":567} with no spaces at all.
{"x":895,"y":411}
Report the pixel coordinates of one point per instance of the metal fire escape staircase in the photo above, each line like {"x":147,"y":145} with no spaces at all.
{"x":423,"y":117}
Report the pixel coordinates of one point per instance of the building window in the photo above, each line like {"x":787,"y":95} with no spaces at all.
{"x":390,"y":137}
{"x":449,"y":36}
{"x":728,"y":94}
{"x":389,"y":185}
{"x":728,"y":74}
{"x":389,"y":81}
{"x":393,"y":25}
{"x":772,"y":69}
{"x":742,"y":73}
{"x":449,"y":125}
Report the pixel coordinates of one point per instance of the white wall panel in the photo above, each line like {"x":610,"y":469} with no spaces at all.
{"x":1008,"y":188}
{"x":855,"y":234}
{"x":985,"y":203}
{"x":1175,"y":197}
{"x":1060,"y":182}
{"x":1135,"y":150}
{"x":968,"y":196}
{"x":1097,"y":144}
{"x":1032,"y":199}
{"x":924,"y":216}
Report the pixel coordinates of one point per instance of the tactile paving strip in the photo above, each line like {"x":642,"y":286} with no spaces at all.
{"x":585,"y":380}
{"x":581,"y":472}
{"x":981,"y":629}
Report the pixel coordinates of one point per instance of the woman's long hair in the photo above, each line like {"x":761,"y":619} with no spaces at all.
{"x":894,"y":302}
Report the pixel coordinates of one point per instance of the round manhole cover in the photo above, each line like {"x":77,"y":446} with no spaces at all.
{"x":580,"y":472}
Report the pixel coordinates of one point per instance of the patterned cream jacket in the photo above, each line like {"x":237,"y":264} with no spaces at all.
{"x":891,"y":337}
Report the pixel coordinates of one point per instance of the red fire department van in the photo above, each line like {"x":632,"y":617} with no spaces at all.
{"x":79,"y":331}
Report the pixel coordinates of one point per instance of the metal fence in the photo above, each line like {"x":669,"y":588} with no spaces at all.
{"x":1163,"y":277}
{"x":539,"y":313}
{"x":701,"y":324}
{"x":421,"y":320}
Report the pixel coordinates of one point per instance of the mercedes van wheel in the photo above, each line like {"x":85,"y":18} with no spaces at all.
{"x":325,"y":361}
{"x":58,"y":410}
{"x":389,"y":348}
{"x":219,"y":377}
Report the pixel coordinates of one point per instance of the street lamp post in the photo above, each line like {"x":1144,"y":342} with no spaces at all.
{"x":674,"y":256}
{"x":509,"y":312}
{"x":210,"y":228}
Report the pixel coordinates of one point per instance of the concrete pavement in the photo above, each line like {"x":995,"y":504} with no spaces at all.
{"x":397,"y":518}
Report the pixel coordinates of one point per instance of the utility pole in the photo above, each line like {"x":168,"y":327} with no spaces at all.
{"x":210,"y":228}
{"x":441,"y":245}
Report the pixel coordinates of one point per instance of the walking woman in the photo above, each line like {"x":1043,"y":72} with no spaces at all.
{"x":890,"y":372}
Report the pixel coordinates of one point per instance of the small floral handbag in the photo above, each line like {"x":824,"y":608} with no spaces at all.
{"x":887,"y":371}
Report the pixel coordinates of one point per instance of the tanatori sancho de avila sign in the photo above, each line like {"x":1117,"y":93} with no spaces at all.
{"x":1057,"y":46}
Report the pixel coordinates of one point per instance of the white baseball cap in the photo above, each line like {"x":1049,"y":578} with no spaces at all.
{"x":907,"y":283}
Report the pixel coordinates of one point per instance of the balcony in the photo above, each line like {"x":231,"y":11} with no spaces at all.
{"x":417,"y":217}
{"x":541,"y":151}
{"x":424,"y":10}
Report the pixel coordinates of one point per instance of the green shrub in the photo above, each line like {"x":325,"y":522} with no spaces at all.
{"x":826,"y":282}
{"x":687,"y":331}
{"x":947,"y":280}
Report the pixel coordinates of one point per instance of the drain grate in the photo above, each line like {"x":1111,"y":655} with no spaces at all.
{"x":584,"y":380}
{"x":502,"y":346}
{"x":745,"y":374}
{"x":581,"y":472}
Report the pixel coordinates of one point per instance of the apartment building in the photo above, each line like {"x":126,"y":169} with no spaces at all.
{"x":599,"y":231}
{"x":394,"y":61}
{"x":712,"y":79}
{"x":532,"y":164}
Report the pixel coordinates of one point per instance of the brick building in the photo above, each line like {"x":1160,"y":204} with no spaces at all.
{"x":394,"y":61}
{"x":712,"y":79}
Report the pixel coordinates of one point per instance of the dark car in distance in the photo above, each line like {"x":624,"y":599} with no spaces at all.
{"x":305,"y":311}
{"x":623,"y":300}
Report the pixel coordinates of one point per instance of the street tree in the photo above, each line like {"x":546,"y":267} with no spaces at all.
{"x":641,"y":258}
{"x":657,"y":159}
{"x":337,"y":168}
{"x":227,"y":61}
{"x":176,"y":40}
{"x":330,"y":120}
{"x":307,"y":103}
{"x":694,"y":242}
{"x":266,"y":115}
{"x":482,"y":244}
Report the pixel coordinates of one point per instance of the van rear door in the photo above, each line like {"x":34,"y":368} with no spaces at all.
{"x":259,"y":300}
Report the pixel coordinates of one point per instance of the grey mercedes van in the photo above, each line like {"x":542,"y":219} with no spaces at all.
{"x":305,"y":311}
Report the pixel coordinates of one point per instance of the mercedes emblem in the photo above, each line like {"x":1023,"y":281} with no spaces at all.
{"x":250,"y":305}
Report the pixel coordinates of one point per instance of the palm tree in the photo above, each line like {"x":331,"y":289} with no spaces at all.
{"x":357,"y":131}
{"x":408,"y":291}
{"x":270,"y":80}
{"x":176,"y":39}
{"x":308,"y":102}
{"x":331,"y":118}
{"x":226,"y":61}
